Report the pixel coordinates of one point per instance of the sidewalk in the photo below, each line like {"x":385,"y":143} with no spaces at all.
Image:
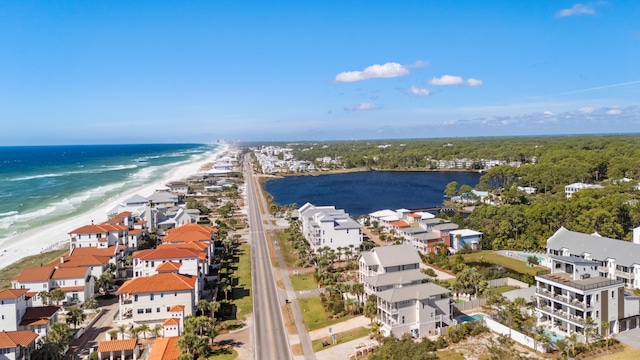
{"x":350,"y":324}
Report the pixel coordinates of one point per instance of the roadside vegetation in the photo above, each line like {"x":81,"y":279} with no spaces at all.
{"x":31,"y":261}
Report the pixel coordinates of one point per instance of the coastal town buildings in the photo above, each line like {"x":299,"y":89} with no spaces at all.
{"x":17,"y":345}
{"x":407,"y":302}
{"x":327,"y":226}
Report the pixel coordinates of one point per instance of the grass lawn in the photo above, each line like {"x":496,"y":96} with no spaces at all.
{"x":224,"y":353}
{"x":286,"y":249}
{"x":490,"y":257}
{"x":242,"y":293}
{"x":503,"y":289}
{"x":31,"y":261}
{"x":303,"y":282}
{"x":449,"y":355}
{"x":342,"y":337}
{"x":314,"y":315}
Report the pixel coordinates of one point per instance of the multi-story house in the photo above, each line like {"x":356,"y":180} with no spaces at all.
{"x":465,"y":237}
{"x":76,"y":282}
{"x":617,"y":259}
{"x":572,"y":188}
{"x":150,"y":299}
{"x":35,"y":280}
{"x":188,"y":262}
{"x":443,"y":231}
{"x":13,"y":305}
{"x":574,"y":291}
{"x":100,"y":236}
{"x":386,"y":260}
{"x":420,"y":239}
{"x":39,"y":319}
{"x":327,"y":226}
{"x":17,"y":345}
{"x":421,"y":309}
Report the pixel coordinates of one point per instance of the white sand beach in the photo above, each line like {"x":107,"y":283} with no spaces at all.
{"x":53,"y":236}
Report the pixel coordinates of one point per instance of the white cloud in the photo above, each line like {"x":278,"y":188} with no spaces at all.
{"x":576,"y":10}
{"x":447,"y":80}
{"x":454,"y":80}
{"x":387,"y":70}
{"x":614,"y":112}
{"x":363,"y":107}
{"x":474,"y":82}
{"x":416,"y":91}
{"x":548,"y":113}
{"x":418,"y":64}
{"x":587,"y":109}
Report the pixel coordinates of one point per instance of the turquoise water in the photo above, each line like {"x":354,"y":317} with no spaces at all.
{"x":468,"y":318}
{"x":553,"y":336}
{"x":43,"y":184}
{"x":526,"y":256}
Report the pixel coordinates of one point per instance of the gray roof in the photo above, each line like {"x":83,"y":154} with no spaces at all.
{"x":413,"y":230}
{"x":395,"y":255}
{"x":163,"y":197}
{"x":397,"y":277}
{"x":447,"y":226}
{"x":426,"y":236}
{"x":574,"y":260}
{"x":433,"y":221}
{"x":413,"y":292}
{"x":600,"y":248}
{"x":136,"y":199}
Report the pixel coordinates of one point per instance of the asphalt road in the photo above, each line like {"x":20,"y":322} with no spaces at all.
{"x":270,"y":339}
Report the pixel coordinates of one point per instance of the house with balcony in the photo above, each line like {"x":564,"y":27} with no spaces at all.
{"x":39,"y":319}
{"x":100,"y":236}
{"x":327,"y":226}
{"x":150,"y":299}
{"x":35,"y":280}
{"x":443,"y":231}
{"x":422,"y":309}
{"x":184,"y":261}
{"x":617,"y":259}
{"x":17,"y":345}
{"x":394,"y":259}
{"x":76,"y":282}
{"x":574,"y":291}
{"x":420,"y":239}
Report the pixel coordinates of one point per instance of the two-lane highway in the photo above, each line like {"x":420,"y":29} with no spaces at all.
{"x":270,"y":339}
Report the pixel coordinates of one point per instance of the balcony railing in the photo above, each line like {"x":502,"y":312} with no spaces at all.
{"x":624,"y":274}
{"x":563,"y":315}
{"x":578,"y":286}
{"x":563,"y":299}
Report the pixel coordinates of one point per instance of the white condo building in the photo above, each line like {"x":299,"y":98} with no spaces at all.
{"x":328,"y":226}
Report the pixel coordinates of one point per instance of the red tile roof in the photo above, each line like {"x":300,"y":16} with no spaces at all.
{"x":169,"y":266}
{"x":415,"y":216}
{"x":8,"y":294}
{"x":171,"y":321}
{"x":195,"y":245}
{"x":136,"y":231}
{"x":95,"y":251}
{"x":125,"y":214}
{"x":96,"y":229}
{"x":177,"y":308}
{"x":164,"y":253}
{"x":117,"y":345}
{"x":165,"y":349}
{"x":399,"y":223}
{"x":72,"y":288}
{"x":190,"y":232}
{"x":69,"y":273}
{"x":34,"y":274}
{"x":11,"y":339}
{"x":157,"y":283}
{"x":81,"y":261}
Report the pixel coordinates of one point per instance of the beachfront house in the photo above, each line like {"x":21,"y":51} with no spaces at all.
{"x":163,"y":199}
{"x":17,"y":345}
{"x":16,"y":313}
{"x":617,"y":259}
{"x":100,"y":236}
{"x":178,"y":187}
{"x":150,"y":299}
{"x":184,"y":261}
{"x":327,"y":226}
{"x":574,"y":291}
{"x":422,"y":309}
{"x":76,"y":282}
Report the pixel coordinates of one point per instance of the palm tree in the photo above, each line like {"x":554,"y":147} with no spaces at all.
{"x":588,"y":330}
{"x":573,"y":339}
{"x":227,"y":289}
{"x":605,"y":327}
{"x":157,"y":329}
{"x":57,"y":295}
{"x":122,"y":329}
{"x":59,"y":334}
{"x":44,"y":295}
{"x":213,"y":307}
{"x":76,"y":316}
{"x":376,"y":330}
{"x":202,"y":305}
{"x":143,"y":329}
{"x":91,"y":304}
{"x":358,"y":290}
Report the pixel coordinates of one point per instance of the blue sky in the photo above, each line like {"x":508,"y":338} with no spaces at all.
{"x":78,"y":72}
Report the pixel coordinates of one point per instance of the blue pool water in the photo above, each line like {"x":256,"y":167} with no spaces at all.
{"x":526,"y":256}
{"x":553,"y":336}
{"x":468,"y":318}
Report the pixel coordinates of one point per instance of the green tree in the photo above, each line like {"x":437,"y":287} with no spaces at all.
{"x":44,"y":295}
{"x":371,"y":307}
{"x":91,"y":304}
{"x":451,"y":189}
{"x":75,"y":316}
{"x":57,"y":295}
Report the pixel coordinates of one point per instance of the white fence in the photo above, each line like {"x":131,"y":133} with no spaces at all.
{"x":507,"y":282}
{"x":513,"y":334}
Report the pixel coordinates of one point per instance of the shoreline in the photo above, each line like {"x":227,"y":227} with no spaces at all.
{"x":56,"y":235}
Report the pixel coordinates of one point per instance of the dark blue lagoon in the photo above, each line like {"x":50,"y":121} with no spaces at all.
{"x":361,"y":193}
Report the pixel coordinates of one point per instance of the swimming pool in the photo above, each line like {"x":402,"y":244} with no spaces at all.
{"x":474,"y":317}
{"x":526,"y":256}
{"x":553,"y":336}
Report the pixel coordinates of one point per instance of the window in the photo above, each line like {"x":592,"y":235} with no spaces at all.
{"x":151,"y":296}
{"x":168,"y":309}
{"x":161,"y":295}
{"x":157,"y":309}
{"x":597,"y":297}
{"x":140,"y":311}
{"x":135,"y":297}
{"x":613,"y":294}
{"x":403,"y":319}
{"x":147,"y":311}
{"x":597,"y":314}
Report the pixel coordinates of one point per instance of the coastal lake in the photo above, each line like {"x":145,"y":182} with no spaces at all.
{"x":360,"y":193}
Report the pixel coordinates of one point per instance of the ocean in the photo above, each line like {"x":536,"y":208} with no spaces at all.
{"x":40,"y":185}
{"x":360,"y":193}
